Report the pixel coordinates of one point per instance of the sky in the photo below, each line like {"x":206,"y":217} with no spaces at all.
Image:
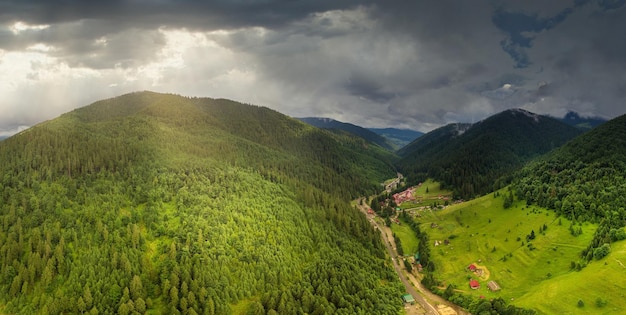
{"x":394,"y":63}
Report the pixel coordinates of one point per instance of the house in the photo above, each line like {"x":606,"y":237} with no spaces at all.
{"x":406,"y":195}
{"x":493,"y":286}
{"x":407,"y":298}
{"x":474,"y":284}
{"x":471,"y":267}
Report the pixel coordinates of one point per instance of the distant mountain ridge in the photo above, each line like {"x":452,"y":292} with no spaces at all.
{"x":585,"y":123}
{"x":470,"y":159}
{"x":431,"y":141}
{"x":399,"y":137}
{"x":331,"y":124}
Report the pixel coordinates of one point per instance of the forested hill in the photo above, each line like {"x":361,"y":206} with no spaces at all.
{"x":338,"y":126}
{"x":472,"y":162}
{"x":584,"y":180}
{"x":165,"y":204}
{"x":434,"y":140}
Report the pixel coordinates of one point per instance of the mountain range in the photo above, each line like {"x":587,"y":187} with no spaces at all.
{"x":339,"y":127}
{"x":399,"y":137}
{"x":474,"y":159}
{"x":388,"y":138}
{"x":159,"y":203}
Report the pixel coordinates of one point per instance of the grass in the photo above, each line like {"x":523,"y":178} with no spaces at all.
{"x":427,"y":198}
{"x":602,"y":282}
{"x":481,"y":231}
{"x":407,"y":238}
{"x":434,"y":190}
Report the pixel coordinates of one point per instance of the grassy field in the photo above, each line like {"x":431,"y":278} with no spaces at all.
{"x":407,"y":238}
{"x":537,"y":276}
{"x":427,"y":198}
{"x":601,"y":286}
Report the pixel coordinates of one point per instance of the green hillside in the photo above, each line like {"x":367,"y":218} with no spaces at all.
{"x":584,"y":181}
{"x":161,"y":204}
{"x":476,"y":160}
{"x":544,"y":273}
{"x":342,"y":127}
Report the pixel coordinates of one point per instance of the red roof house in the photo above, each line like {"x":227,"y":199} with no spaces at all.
{"x":474,"y":284}
{"x":472,"y":267}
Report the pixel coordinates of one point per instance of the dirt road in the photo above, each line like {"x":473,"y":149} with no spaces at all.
{"x":412,"y":285}
{"x":427,"y":307}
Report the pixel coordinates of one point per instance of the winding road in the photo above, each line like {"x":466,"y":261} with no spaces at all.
{"x":396,"y":265}
{"x":409,"y":286}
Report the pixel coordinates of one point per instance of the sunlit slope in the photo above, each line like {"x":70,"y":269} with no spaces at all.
{"x":601,"y":286}
{"x":165,"y":204}
{"x":498,"y":240}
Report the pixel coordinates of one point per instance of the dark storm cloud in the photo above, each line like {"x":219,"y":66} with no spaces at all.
{"x":521,"y":29}
{"x":415,"y":64}
{"x":367,"y":88}
{"x":182,"y":13}
{"x":77,"y":24}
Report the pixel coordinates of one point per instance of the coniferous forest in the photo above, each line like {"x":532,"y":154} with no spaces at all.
{"x":473,"y":160}
{"x":161,"y":204}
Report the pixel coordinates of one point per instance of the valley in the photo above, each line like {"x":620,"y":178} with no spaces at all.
{"x":428,"y":303}
{"x":156,"y":203}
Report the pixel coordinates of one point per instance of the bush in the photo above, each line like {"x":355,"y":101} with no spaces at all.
{"x":601,"y":251}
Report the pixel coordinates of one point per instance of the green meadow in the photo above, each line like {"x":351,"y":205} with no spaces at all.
{"x":427,"y":193}
{"x":533,"y":273}
{"x":407,"y":238}
{"x":601,"y":286}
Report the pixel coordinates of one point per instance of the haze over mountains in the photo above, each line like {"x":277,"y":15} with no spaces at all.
{"x":388,"y":138}
{"x":584,"y":123}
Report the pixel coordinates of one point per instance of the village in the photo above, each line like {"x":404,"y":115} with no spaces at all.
{"x":415,"y":202}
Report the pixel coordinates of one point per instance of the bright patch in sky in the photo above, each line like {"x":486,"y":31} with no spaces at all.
{"x":19,"y":27}
{"x":415,"y":64}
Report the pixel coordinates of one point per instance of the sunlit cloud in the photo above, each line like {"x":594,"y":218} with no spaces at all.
{"x":413,"y":65}
{"x":19,"y":27}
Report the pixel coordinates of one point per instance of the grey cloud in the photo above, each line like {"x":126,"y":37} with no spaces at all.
{"x":416,"y":64}
{"x":183,"y":13}
{"x":368,"y":89}
{"x":89,"y":43}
